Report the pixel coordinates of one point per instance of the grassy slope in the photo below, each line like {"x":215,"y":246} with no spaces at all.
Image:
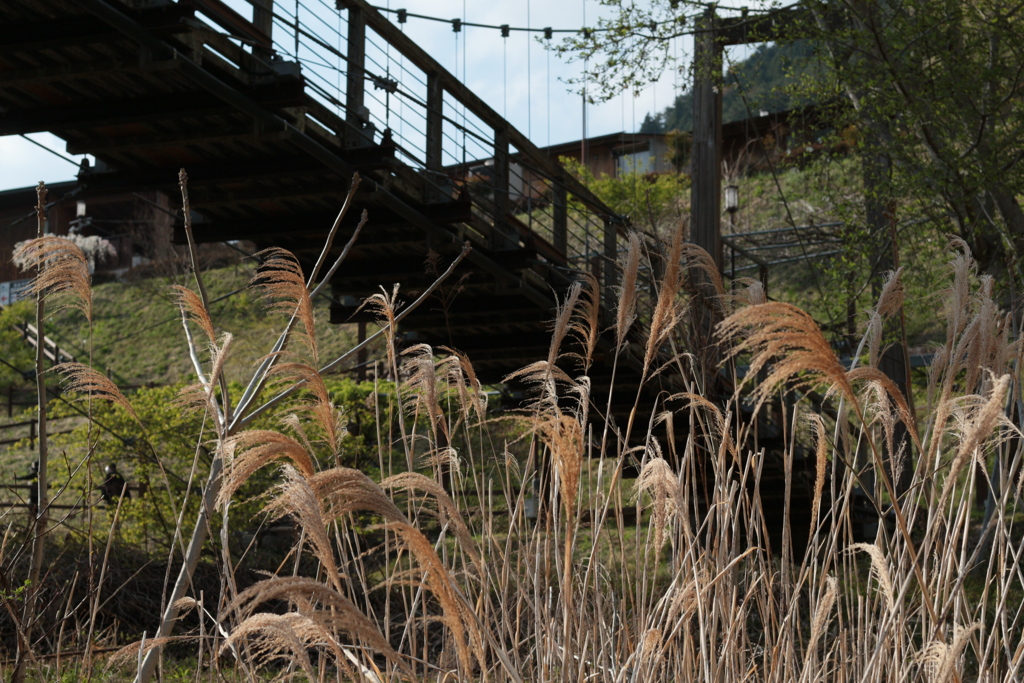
{"x":137,"y":331}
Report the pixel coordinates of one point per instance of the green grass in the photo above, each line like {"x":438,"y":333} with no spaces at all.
{"x":137,"y":332}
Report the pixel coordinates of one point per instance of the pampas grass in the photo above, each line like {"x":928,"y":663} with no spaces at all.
{"x":397,"y":574}
{"x":61,"y":269}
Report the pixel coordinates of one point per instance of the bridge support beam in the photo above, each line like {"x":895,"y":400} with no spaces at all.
{"x":609,"y":269}
{"x":706,"y":172}
{"x":263,"y":20}
{"x":435,"y":121}
{"x":355,"y":81}
{"x":560,"y":217}
{"x":502,"y":236}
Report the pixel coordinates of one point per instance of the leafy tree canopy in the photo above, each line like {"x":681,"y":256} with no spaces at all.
{"x":761,"y":82}
{"x":935,"y":92}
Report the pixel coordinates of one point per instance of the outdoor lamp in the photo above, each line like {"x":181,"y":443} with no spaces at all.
{"x":732,"y":198}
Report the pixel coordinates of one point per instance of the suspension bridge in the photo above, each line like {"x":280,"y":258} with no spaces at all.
{"x":272,"y":114}
{"x":271,"y":143}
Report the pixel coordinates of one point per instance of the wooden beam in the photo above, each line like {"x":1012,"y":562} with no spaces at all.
{"x":172,"y":105}
{"x":106,"y":113}
{"x":706,"y":159}
{"x":89,"y":69}
{"x":782,"y":24}
{"x":209,"y":175}
{"x":423,"y":61}
{"x":502,"y":237}
{"x":257,"y":31}
{"x":263,"y":25}
{"x":435,"y":121}
{"x":85,"y":30}
{"x":179,"y":139}
{"x":355,"y":81}
{"x":560,"y":217}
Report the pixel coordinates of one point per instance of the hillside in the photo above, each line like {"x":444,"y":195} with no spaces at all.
{"x":761,"y":79}
{"x":138,"y":337}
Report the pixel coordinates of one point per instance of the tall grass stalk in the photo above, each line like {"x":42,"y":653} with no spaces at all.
{"x":759,"y":550}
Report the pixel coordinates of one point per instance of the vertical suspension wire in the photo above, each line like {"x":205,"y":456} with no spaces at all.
{"x":465,"y":81}
{"x":401,"y":100}
{"x":338,"y":70}
{"x":456,"y":70}
{"x":586,"y":71}
{"x":620,"y":165}
{"x":529,"y":75}
{"x":633,"y":171}
{"x":504,"y":77}
{"x":529,"y":113}
{"x":547,"y":51}
{"x":387,"y":75}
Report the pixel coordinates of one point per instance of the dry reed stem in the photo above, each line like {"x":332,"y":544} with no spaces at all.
{"x":307,"y":593}
{"x":296,"y":497}
{"x":821,"y":466}
{"x":321,"y":407}
{"x":460,"y":372}
{"x":414,"y":481}
{"x":702,"y":263}
{"x":980,"y":426}
{"x":422,"y":382}
{"x":659,"y":481}
{"x":61,"y":268}
{"x":190,"y":302}
{"x":81,"y":378}
{"x":879,"y":570}
{"x":667,"y":311}
{"x":626,"y":312}
{"x":283,"y":286}
{"x":783,"y":333}
{"x":939,"y":658}
{"x":586,"y":323}
{"x":248,"y":451}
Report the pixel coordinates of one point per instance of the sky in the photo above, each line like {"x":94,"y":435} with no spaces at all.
{"x":515,"y":76}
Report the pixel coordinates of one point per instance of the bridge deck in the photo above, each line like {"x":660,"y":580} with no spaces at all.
{"x":271,"y":144}
{"x":151,"y":86}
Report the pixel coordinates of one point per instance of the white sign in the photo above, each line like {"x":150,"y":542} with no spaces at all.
{"x":16,"y":290}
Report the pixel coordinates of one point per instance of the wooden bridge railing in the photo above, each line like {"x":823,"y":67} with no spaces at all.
{"x":449,"y":141}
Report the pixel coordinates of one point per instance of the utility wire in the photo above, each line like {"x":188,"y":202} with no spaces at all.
{"x":404,"y":14}
{"x":51,"y":151}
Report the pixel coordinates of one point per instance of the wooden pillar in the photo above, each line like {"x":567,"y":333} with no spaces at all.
{"x":355,"y":81}
{"x":877,"y":167}
{"x":263,"y":20}
{"x":502,"y":237}
{"x":706,"y":159}
{"x":560,"y":217}
{"x":611,"y":273}
{"x":435,"y":121}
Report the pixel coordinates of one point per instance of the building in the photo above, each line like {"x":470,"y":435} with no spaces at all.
{"x":137,"y":224}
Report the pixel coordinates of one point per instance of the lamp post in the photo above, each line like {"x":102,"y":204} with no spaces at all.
{"x":732,"y":204}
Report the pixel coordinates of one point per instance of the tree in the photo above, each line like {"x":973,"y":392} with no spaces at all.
{"x":934,"y":87}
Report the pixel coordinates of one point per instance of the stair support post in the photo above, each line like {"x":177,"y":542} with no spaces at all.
{"x":502,"y":237}
{"x":560,"y":217}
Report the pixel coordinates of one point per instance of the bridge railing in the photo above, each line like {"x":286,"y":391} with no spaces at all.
{"x":370,"y":85}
